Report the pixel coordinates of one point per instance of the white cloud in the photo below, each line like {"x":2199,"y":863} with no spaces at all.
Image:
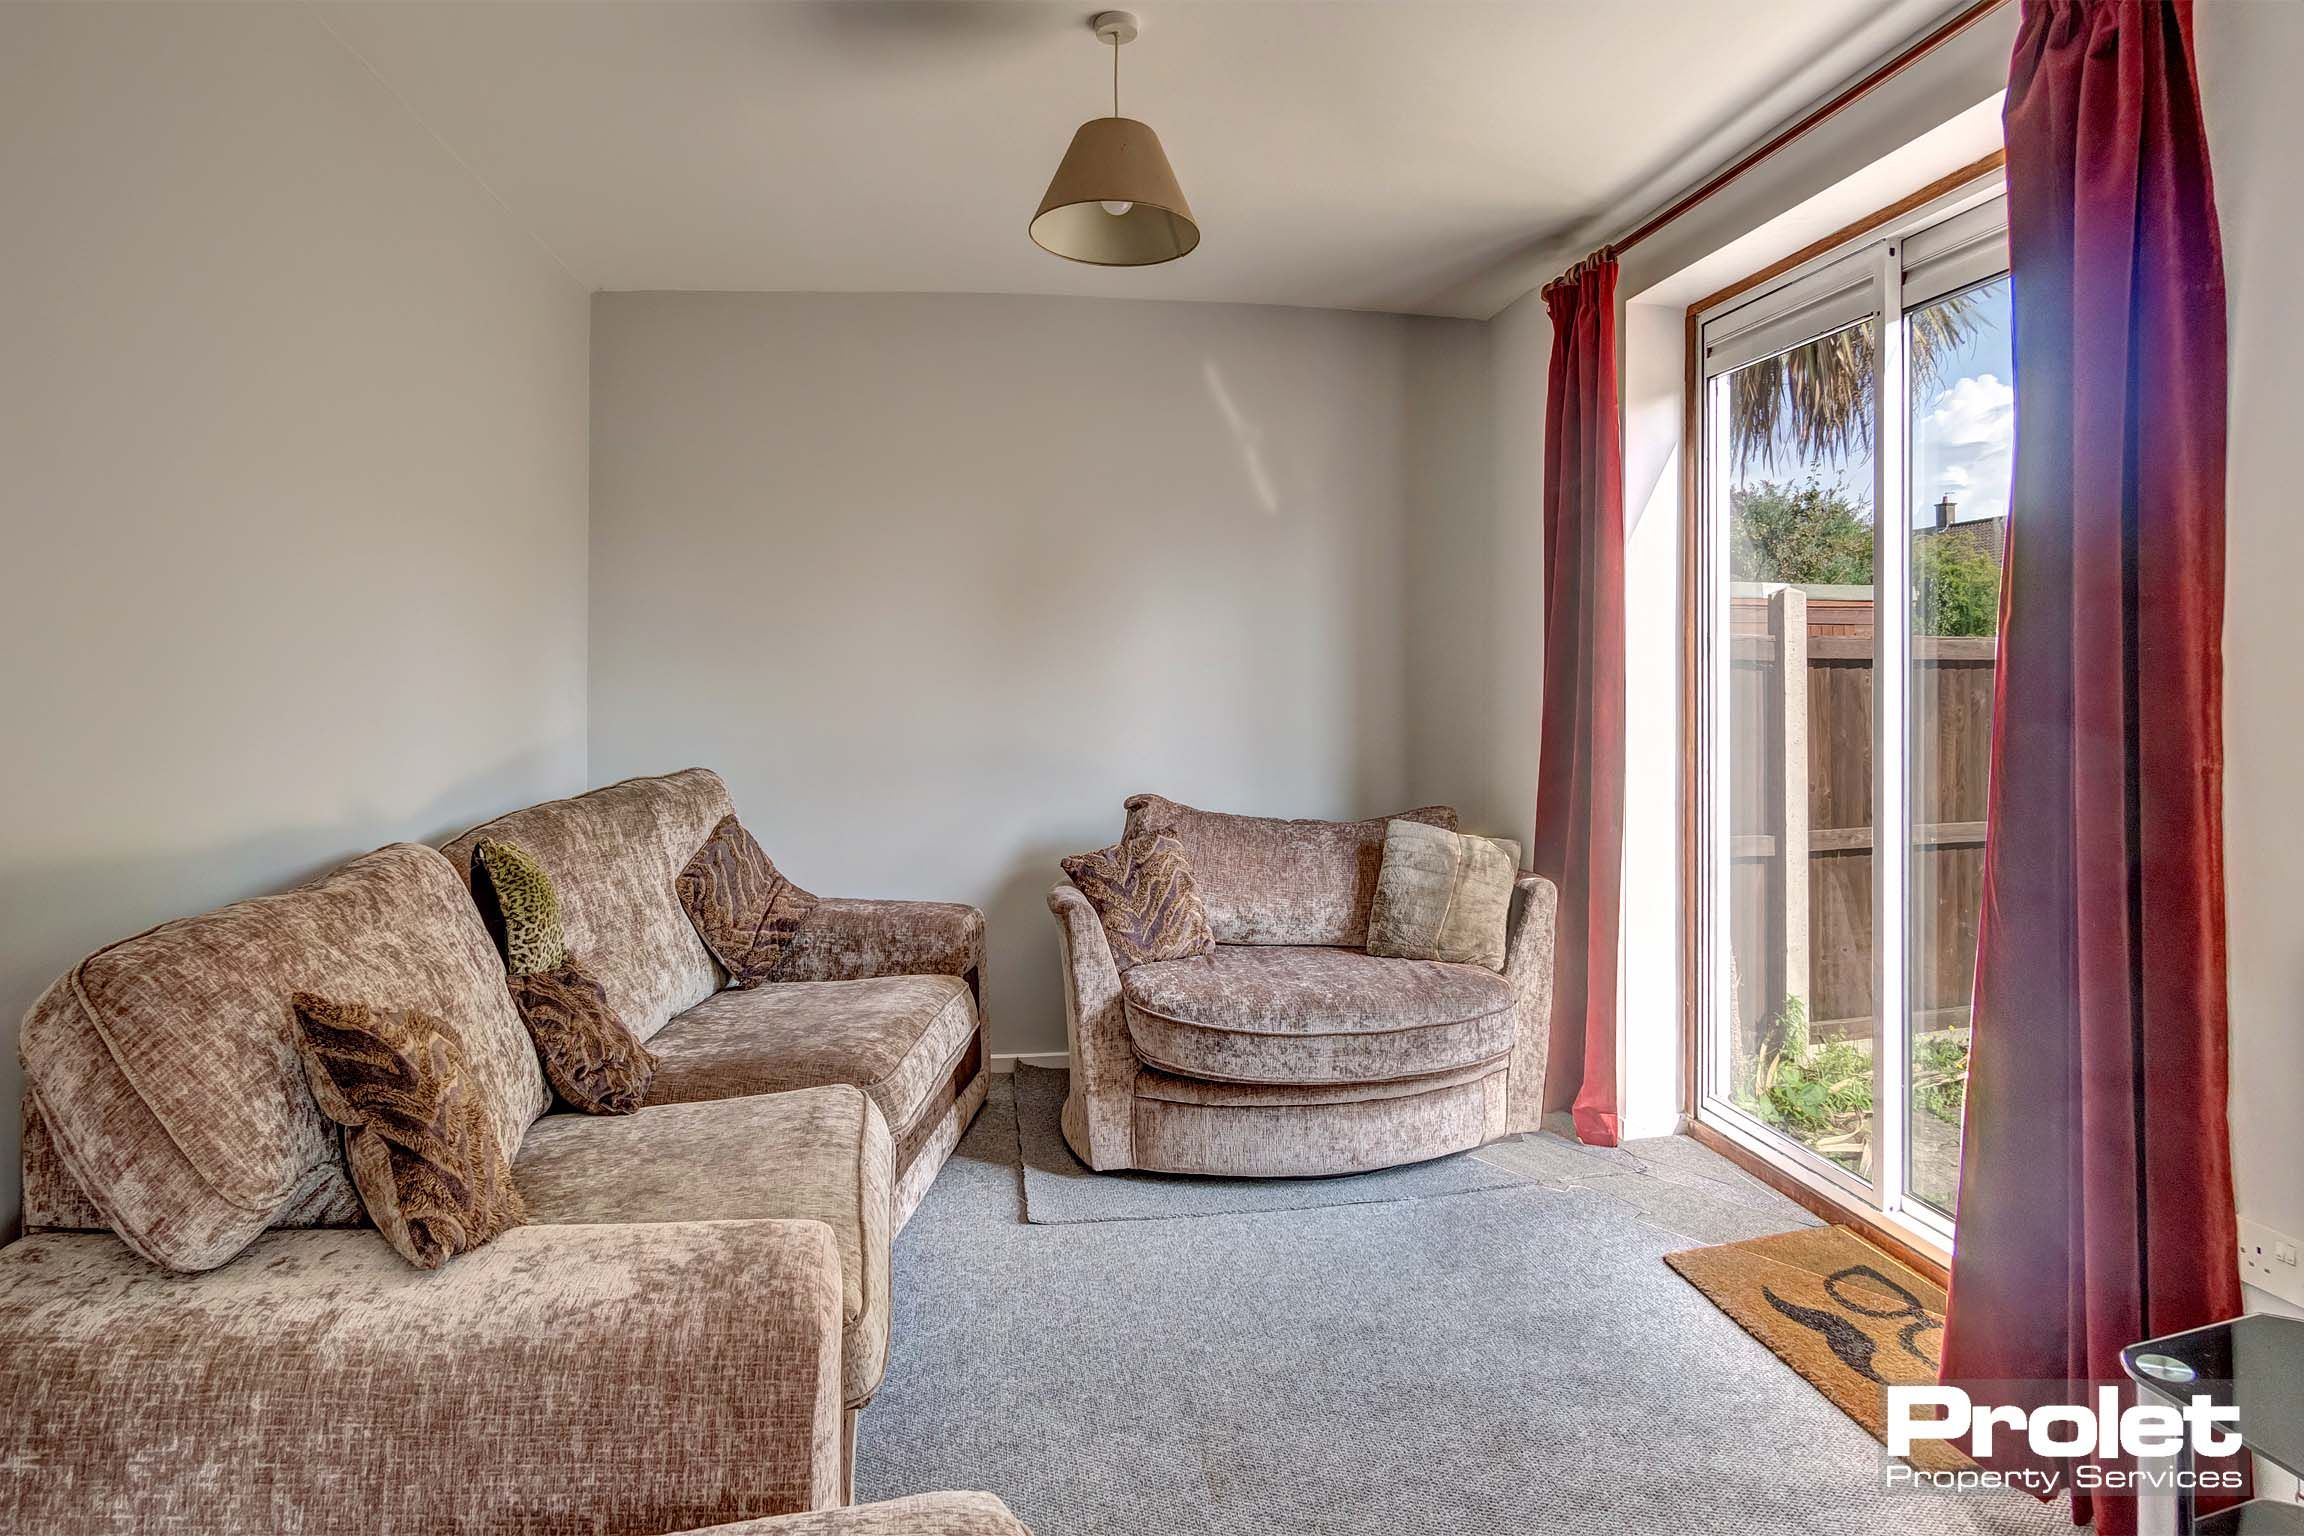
{"x":1966,"y":448}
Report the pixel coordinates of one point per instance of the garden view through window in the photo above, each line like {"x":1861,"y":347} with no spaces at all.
{"x":1859,"y":427}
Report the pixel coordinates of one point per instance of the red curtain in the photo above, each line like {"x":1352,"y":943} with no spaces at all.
{"x":1579,"y":837}
{"x":2096,"y":1186}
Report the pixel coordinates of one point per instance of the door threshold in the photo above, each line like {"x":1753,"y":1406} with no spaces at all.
{"x":1922,"y":1251}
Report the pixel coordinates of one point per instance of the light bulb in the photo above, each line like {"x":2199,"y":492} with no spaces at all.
{"x":1116,"y":209}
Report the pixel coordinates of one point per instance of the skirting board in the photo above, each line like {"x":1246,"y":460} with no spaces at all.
{"x":1006,"y":1061}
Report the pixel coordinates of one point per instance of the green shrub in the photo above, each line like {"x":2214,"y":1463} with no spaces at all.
{"x":1800,"y":1086}
{"x":1940,"y":1076}
{"x":1955,"y":585}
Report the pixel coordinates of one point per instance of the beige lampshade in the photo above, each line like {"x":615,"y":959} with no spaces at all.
{"x":1115,"y":160}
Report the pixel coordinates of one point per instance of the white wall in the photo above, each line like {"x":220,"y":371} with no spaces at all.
{"x":1649,"y":1056}
{"x":292,"y":480}
{"x":936,"y":581}
{"x":1520,"y":358}
{"x":2247,"y":60}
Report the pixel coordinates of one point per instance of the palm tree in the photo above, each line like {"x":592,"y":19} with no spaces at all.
{"x":1815,"y":402}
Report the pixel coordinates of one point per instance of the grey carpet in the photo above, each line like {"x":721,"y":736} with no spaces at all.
{"x":1515,"y":1361}
{"x":1668,"y":1181}
{"x":1059,"y":1188}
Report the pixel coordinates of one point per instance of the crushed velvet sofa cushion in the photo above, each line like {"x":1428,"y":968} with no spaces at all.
{"x":817,"y":1154}
{"x":1443,"y":895}
{"x":613,"y":855}
{"x":847,"y":937}
{"x":743,"y":906}
{"x":607,"y":1379}
{"x":1143,"y":893}
{"x":425,"y":1159}
{"x":165,"y":1066}
{"x":53,"y":1199}
{"x":1263,"y":881}
{"x":895,"y":1037}
{"x":1304,"y":1015}
{"x":594,"y":1064}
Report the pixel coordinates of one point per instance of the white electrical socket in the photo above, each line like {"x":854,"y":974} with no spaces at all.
{"x":2268,"y":1261}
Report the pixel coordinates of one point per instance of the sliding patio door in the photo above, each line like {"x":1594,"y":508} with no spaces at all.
{"x":1858,"y":418}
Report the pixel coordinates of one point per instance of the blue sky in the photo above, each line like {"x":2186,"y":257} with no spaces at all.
{"x":1964,"y":434}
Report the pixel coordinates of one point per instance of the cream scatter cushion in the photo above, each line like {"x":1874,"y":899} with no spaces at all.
{"x":1442,"y":895}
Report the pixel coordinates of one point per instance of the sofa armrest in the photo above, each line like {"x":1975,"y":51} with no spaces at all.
{"x":668,"y":1376}
{"x":1099,"y":1113}
{"x":1528,"y":966}
{"x":926,"y":1514}
{"x":845,"y":939}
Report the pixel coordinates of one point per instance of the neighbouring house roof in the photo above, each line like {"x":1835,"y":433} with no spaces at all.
{"x":1988,"y":534}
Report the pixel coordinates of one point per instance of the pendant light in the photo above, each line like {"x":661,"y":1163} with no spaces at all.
{"x":1114,"y":202}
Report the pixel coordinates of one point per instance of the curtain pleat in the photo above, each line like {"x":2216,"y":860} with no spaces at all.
{"x":2095,"y":1186}
{"x":1579,"y":835}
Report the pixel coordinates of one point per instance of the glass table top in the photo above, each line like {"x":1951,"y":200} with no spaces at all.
{"x":2255,"y":1364}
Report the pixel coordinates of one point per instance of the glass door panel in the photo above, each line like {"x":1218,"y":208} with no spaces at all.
{"x":1855,"y":482}
{"x":1795,"y":1023}
{"x":1963,"y":441}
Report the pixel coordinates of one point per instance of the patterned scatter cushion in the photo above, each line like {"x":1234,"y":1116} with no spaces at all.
{"x":523,"y":914}
{"x":1142,"y":888}
{"x":592,"y":1061}
{"x":743,"y":908}
{"x":1442,"y":895}
{"x":424,"y":1154}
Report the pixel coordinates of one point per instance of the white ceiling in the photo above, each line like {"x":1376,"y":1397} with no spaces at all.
{"x":1353,"y":154}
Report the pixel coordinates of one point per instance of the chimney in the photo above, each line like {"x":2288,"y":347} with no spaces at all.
{"x":1944,"y":511}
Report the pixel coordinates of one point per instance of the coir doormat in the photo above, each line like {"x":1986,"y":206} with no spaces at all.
{"x":1846,"y":1316}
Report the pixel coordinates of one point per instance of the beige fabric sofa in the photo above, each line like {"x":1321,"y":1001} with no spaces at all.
{"x":1293,"y":1051}
{"x":200,"y":1332}
{"x":884,"y":995}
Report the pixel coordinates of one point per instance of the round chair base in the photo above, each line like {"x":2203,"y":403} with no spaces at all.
{"x":1247,"y":1131}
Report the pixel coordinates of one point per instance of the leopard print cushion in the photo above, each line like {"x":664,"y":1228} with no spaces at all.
{"x":744,"y":909}
{"x":516,"y":897}
{"x":417,"y":1129}
{"x":594,"y":1064}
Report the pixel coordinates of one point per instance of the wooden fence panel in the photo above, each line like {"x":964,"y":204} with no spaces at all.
{"x":1840,"y":832}
{"x":1951,"y":692}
